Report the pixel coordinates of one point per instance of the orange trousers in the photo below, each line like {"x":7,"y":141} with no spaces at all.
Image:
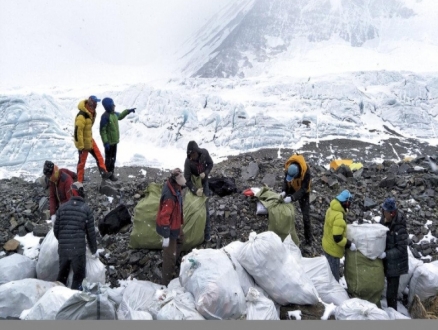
{"x":83,"y":158}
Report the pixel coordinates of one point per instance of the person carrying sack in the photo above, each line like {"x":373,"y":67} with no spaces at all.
{"x":59,"y":182}
{"x":395,"y":258}
{"x":334,"y":238}
{"x":169,"y":221}
{"x":199,"y":164}
{"x":74,"y":225}
{"x":296,"y":187}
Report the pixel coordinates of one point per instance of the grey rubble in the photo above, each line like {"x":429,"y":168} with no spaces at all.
{"x":233,"y":217}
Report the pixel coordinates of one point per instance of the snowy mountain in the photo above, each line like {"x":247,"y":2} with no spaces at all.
{"x":250,"y":37}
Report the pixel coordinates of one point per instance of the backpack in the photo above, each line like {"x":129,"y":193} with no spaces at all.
{"x":222,"y":186}
{"x":114,"y":221}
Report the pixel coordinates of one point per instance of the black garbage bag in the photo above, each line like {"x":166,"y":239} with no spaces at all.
{"x":222,"y":186}
{"x":114,"y":221}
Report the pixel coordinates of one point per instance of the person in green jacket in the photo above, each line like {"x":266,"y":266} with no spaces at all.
{"x":334,"y":238}
{"x":109,"y":132}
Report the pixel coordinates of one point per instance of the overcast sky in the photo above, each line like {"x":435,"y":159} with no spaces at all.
{"x":72,"y":42}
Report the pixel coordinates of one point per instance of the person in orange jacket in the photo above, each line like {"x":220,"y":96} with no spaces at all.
{"x":83,"y":137}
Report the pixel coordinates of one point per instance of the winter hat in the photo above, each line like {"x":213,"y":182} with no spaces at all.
{"x":192,"y":146}
{"x":389,"y":204}
{"x":292,"y":172}
{"x":78,"y":189}
{"x":344,"y":196}
{"x":108,"y":104}
{"x":48,"y":168}
{"x":94,"y":99}
{"x":177,"y":175}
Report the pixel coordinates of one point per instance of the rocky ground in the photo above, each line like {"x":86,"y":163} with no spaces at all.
{"x":233,"y":217}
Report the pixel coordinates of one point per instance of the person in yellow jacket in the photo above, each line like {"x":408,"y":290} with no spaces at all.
{"x":296,"y":187}
{"x":334,"y":238}
{"x":83,"y":137}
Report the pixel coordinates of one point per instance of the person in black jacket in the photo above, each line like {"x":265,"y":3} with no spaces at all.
{"x":296,"y":187}
{"x":395,"y":257}
{"x":199,"y":163}
{"x":74,"y":222}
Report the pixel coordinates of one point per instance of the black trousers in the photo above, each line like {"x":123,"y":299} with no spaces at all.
{"x":335,"y":264}
{"x":392,"y":291}
{"x":305,"y":210}
{"x":77,"y":264}
{"x":170,"y":256}
{"x":110,"y":158}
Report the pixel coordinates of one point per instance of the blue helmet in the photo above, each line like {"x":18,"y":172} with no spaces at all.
{"x":389,"y":204}
{"x":292,"y":172}
{"x":344,"y":196}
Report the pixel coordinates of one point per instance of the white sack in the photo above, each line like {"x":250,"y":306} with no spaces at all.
{"x":210,"y":276}
{"x":258,"y":307}
{"x":329,"y":290}
{"x":94,"y":270}
{"x":268,"y":261}
{"x":359,"y":309}
{"x":16,"y":267}
{"x":261,"y":209}
{"x":233,"y":249}
{"x":424,"y":282}
{"x":290,"y":245}
{"x":140,"y":297}
{"x":49,"y":304}
{"x":370,"y":239}
{"x":406,"y":278}
{"x":47,"y":267}
{"x":179,"y":307}
{"x":91,"y":304}
{"x":16,"y":296}
{"x":394,"y":315}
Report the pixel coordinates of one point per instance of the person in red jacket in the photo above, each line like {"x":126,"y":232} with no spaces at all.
{"x":59,"y":182}
{"x":169,"y":221}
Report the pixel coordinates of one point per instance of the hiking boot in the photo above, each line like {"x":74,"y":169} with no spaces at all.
{"x":113,"y":177}
{"x":106,"y":175}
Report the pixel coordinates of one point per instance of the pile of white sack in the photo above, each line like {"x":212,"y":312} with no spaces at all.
{"x":243,"y":280}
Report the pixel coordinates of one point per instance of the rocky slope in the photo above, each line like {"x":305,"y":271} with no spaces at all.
{"x":413,"y":183}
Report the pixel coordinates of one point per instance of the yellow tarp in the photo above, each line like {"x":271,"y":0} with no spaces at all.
{"x":334,"y":164}
{"x":356,"y":166}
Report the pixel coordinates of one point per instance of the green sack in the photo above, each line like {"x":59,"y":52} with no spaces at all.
{"x":281,"y":216}
{"x":365,"y":277}
{"x":144,"y":234}
{"x":195,"y":216}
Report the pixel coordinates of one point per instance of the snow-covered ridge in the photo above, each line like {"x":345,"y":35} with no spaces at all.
{"x":227,"y":116}
{"x":249,"y":37}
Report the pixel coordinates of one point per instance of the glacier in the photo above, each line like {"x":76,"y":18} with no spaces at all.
{"x":226,"y":116}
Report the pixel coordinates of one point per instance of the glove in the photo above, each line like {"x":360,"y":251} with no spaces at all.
{"x":202,"y":175}
{"x":53,"y":218}
{"x":382,"y":256}
{"x":166,"y":232}
{"x":353,"y":247}
{"x":288,"y":199}
{"x":283,"y":194}
{"x":107,"y":146}
{"x":199,"y":192}
{"x":166,"y":242}
{"x":131,"y":110}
